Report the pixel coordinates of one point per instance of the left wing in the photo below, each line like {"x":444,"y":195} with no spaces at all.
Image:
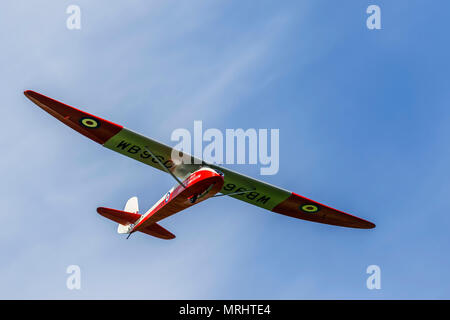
{"x":131,"y":144}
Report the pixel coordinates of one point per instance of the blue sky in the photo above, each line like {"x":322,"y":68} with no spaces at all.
{"x":364,"y":127}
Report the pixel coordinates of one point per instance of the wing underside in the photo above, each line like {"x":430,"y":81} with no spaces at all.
{"x":156,"y":230}
{"x":131,"y":144}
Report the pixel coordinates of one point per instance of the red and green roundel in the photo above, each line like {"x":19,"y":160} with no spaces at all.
{"x":309,"y":208}
{"x":89,"y":122}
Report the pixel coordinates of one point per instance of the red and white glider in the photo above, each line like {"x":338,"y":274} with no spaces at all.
{"x":196,"y":182}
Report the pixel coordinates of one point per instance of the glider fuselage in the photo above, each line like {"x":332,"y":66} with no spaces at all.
{"x":199,"y":186}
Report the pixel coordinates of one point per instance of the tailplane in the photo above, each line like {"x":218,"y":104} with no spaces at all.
{"x":157,"y":231}
{"x":129,"y":216}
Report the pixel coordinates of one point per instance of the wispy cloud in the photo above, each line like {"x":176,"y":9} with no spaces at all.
{"x":363,"y":125}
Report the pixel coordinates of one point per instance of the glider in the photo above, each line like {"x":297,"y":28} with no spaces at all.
{"x":195,"y":182}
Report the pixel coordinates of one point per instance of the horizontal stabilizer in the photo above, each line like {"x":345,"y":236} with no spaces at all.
{"x":157,"y":231}
{"x":119,"y":216}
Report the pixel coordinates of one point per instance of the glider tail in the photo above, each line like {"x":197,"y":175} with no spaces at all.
{"x":129,"y":216}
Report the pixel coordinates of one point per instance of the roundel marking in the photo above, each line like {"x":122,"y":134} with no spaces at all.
{"x":89,"y":123}
{"x":167,"y":196}
{"x":309,"y":208}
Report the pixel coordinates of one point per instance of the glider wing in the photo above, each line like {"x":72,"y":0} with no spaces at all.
{"x":133,"y":145}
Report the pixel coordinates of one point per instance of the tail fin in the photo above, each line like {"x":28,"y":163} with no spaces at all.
{"x":132,"y":206}
{"x":125,"y":218}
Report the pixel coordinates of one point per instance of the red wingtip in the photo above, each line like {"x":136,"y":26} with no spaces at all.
{"x":93,"y":127}
{"x":303,"y":208}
